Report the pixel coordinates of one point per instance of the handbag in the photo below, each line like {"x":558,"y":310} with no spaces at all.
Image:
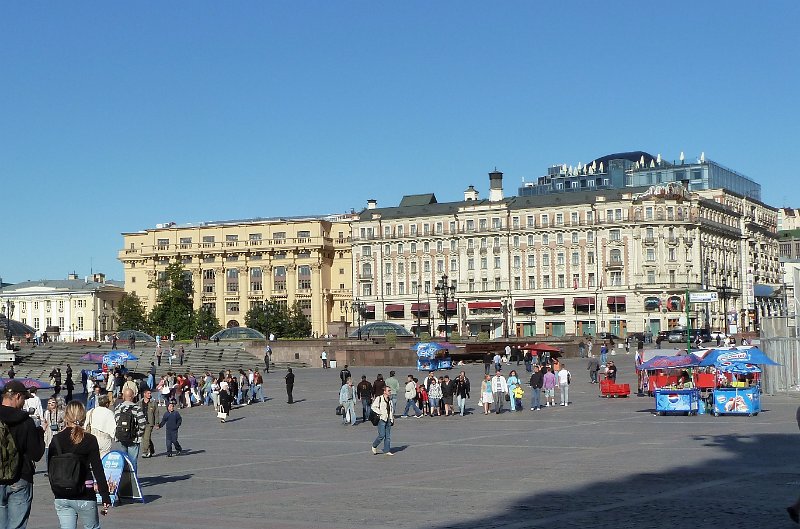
{"x":508,"y":397}
{"x":221,"y":413}
{"x":374,"y":418}
{"x":339,"y":409}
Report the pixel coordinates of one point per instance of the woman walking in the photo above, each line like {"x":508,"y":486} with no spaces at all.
{"x":80,"y":502}
{"x":100,"y":422}
{"x":513,"y":382}
{"x":486,"y":393}
{"x":53,"y":423}
{"x":225,"y":400}
{"x":434,"y":396}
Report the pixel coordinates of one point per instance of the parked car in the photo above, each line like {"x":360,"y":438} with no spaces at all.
{"x":720,"y":334}
{"x":608,"y":336}
{"x":679,"y":336}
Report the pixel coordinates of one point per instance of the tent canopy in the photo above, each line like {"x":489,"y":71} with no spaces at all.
{"x":669,"y":362}
{"x":737,"y":355}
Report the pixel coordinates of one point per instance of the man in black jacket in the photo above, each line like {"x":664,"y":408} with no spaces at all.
{"x":448,"y":388}
{"x":16,"y":493}
{"x":364,"y":392}
{"x":461,"y":389}
{"x":537,"y":378}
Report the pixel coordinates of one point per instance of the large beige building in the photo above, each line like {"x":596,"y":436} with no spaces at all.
{"x":619,"y":260}
{"x":236,"y":264}
{"x":69,"y":309}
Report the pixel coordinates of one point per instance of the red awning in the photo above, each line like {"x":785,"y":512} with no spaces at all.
{"x":583,"y":302}
{"x":553,"y":302}
{"x":616,"y":300}
{"x":485,"y":305}
{"x":451,"y":306}
{"x":525,"y":304}
{"x":420,"y":307}
{"x":370,"y":308}
{"x":395,"y":308}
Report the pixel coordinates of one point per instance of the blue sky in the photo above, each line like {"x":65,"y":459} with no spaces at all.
{"x":118,"y":116}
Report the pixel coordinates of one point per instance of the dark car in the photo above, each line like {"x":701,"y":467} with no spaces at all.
{"x":679,"y":335}
{"x":607,"y":336}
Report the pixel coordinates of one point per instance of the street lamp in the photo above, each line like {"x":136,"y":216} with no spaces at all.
{"x":358,"y":308}
{"x":445,"y":291}
{"x":9,"y":314}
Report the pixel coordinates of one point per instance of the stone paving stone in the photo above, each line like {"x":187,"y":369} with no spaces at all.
{"x":600,"y":463}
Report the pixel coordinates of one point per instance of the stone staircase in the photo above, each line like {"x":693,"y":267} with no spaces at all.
{"x":38,"y":362}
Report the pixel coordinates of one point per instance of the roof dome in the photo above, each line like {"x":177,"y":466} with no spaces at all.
{"x":380,"y":328}
{"x":238,"y":333}
{"x":140,"y":336}
{"x":18,"y":328}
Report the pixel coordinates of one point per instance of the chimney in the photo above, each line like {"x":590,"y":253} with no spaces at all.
{"x":495,"y":186}
{"x":470,"y":194}
{"x":372,"y":203}
{"x":73,"y":275}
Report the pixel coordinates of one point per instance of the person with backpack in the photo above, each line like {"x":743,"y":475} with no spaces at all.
{"x":131,"y":423}
{"x":75,"y":469}
{"x":23,"y":444}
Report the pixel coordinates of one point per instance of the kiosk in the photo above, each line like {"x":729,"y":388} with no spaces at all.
{"x":432,"y":356}
{"x":737,"y":390}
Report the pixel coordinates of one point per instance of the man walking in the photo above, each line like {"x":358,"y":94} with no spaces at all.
{"x":289,"y":386}
{"x":131,"y":423}
{"x":593,"y":367}
{"x":461,"y":390}
{"x":172,"y":420}
{"x":267,"y":358}
{"x":603,"y":353}
{"x":382,"y":405}
{"x":487,"y":362}
{"x":536,"y":387}
{"x":499,"y":390}
{"x":410,"y":394}
{"x":150,"y":410}
{"x":364,"y":393}
{"x":16,"y":490}
{"x":394,"y":384}
{"x":344,"y":374}
{"x":324,"y":357}
{"x":347,"y":398}
{"x":564,"y":378}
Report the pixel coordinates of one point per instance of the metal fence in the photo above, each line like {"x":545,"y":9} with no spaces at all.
{"x":779,"y":342}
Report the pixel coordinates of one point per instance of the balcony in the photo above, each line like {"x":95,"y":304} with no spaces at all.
{"x":614,"y":263}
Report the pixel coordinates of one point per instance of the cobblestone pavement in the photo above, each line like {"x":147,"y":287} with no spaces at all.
{"x":599,"y":463}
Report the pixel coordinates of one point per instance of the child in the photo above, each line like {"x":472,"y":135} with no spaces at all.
{"x":422,"y":396}
{"x":172,"y":419}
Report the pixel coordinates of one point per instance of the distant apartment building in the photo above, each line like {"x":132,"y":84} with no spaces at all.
{"x":619,"y":259}
{"x":69,"y":309}
{"x":235,"y":265}
{"x":637,"y":169}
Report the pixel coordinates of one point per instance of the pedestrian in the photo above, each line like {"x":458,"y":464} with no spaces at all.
{"x":487,"y":362}
{"x":81,"y":504}
{"x":171,"y":340}
{"x":257,"y":388}
{"x":267,"y":358}
{"x":289,"y":385}
{"x":130,"y":426}
{"x":132,"y":341}
{"x":377,"y":386}
{"x":85,"y":381}
{"x":344,"y":374}
{"x":11,"y":372}
{"x":512,"y":382}
{"x":528,"y":360}
{"x":181,"y":353}
{"x":150,"y":410}
{"x":497,"y":360}
{"x":101,"y":423}
{"x":196,"y":340}
{"x":486,"y":393}
{"x":382,"y":406}
{"x":172,"y":420}
{"x":603,"y":353}
{"x":589,"y":346}
{"x":611,"y":371}
{"x":52,"y":422}
{"x":499,"y":391}
{"x":16,"y":493}
{"x":324,"y":357}
{"x":461,"y":391}
{"x":347,"y":398}
{"x":536,"y":388}
{"x":549,"y":386}
{"x":435,"y":396}
{"x":394,"y":384}
{"x":593,"y":367}
{"x":448,"y":389}
{"x":114,"y":341}
{"x":410,"y":394}
{"x":225,"y":400}
{"x":582,"y":349}
{"x":151,"y":376}
{"x":158,"y":355}
{"x":364,"y":393}
{"x":564,"y":379}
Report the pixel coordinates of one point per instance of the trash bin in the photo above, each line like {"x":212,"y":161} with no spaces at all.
{"x":332,"y":363}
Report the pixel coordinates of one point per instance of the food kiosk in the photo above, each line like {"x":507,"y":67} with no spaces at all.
{"x":432,"y":356}
{"x":672,"y":393}
{"x":737,"y":389}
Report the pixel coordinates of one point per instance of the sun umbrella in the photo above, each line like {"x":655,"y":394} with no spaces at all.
{"x":92,"y":357}
{"x":123,"y":355}
{"x":27,"y":382}
{"x":544,"y":347}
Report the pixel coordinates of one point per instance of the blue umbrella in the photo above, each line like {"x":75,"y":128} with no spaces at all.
{"x":737,"y":355}
{"x":122,"y":355}
{"x":27,"y":382}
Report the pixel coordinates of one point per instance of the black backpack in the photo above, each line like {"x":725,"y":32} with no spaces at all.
{"x":65,"y":472}
{"x":126,"y":426}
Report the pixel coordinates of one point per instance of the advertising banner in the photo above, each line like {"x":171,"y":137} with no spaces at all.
{"x":121,"y":478}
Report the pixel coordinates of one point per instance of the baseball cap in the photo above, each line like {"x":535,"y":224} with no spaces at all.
{"x":15,"y":386}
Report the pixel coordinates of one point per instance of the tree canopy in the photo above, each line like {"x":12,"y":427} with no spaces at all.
{"x":275,"y":318}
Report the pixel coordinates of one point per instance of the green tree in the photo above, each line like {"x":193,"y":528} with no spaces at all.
{"x":206,"y":322}
{"x":273,"y":317}
{"x":298,"y":324}
{"x":130,"y":313}
{"x":173,"y":311}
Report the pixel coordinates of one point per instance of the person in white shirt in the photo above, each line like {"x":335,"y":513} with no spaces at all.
{"x":564,"y":378}
{"x":34,"y":403}
{"x":499,"y":390}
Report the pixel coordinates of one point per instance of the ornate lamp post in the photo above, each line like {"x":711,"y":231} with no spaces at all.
{"x":9,"y":314}
{"x":445,"y":291}
{"x":358,"y":308}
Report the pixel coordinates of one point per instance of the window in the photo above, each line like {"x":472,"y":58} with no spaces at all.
{"x":590,"y":237}
{"x":590,"y":280}
{"x":439,"y":246}
{"x":414,"y":287}
{"x":470,"y":225}
{"x":576,"y":258}
{"x":560,"y":259}
{"x":413,"y":247}
{"x":545,"y":220}
{"x":559,"y":219}
{"x":401,"y":268}
{"x":560,"y":280}
{"x":439,"y":228}
{"x":471,"y":285}
{"x":208,"y":241}
{"x":413,"y":229}
{"x":387,"y":231}
{"x":648,"y":213}
{"x":615,"y":256}
{"x":671,"y":254}
{"x":516,"y":241}
{"x":452,"y":227}
{"x":453,"y":245}
{"x":617,"y":214}
{"x":614,"y":235}
{"x":574,"y":217}
{"x":280,"y":236}
{"x":609,"y":215}
{"x":574,"y":237}
{"x":453,"y":265}
{"x":439,"y":266}
{"x":531,"y":282}
{"x":497,"y":262}
{"x":559,"y":238}
{"x":387,"y":289}
{"x":426,"y":228}
{"x":163,"y":244}
{"x":413,"y":267}
{"x":517,"y":261}
{"x":517,"y":283}
{"x":496,"y":223}
{"x":232,"y":307}
{"x":366,"y":251}
{"x":427,"y":287}
{"x":401,"y":288}
{"x":60,"y":322}
{"x":251,"y":237}
{"x":366,"y":289}
{"x":484,"y":285}
{"x":470,"y":244}
{"x":185,"y":242}
{"x":616,"y":279}
{"x":545,"y":239}
{"x":482,"y":224}
{"x":80,"y":322}
{"x":484,"y":263}
{"x":651,"y":255}
{"x":497,"y":285}
{"x":280,"y":278}
{"x":470,"y":264}
{"x":648,"y":234}
{"x":590,"y":216}
{"x":255,"y":279}
{"x":231,"y":239}
{"x":426,"y":266}
{"x":545,"y":260}
{"x":515,"y":222}
{"x":530,"y":240}
{"x":387,"y":267}
{"x":651,"y":277}
{"x":546,"y":281}
{"x":484,"y":242}
{"x":530,"y":222}
{"x":400,"y":249}
{"x":672,"y":277}
{"x":387,"y":249}
{"x":531,"y":261}
{"x":232,"y":280}
{"x":576,"y":281}
{"x":426,"y":247}
{"x":497,"y":242}
{"x":590,"y":258}
{"x":234,"y":257}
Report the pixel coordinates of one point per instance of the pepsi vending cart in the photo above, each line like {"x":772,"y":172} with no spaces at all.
{"x":432,"y":356}
{"x":740,"y":399}
{"x":677,"y":401}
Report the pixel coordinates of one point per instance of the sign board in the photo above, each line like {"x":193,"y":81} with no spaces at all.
{"x":703,"y":297}
{"x":121,"y":478}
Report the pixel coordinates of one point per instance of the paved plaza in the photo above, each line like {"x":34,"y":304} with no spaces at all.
{"x":599,"y":463}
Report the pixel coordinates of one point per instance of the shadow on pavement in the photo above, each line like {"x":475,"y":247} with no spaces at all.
{"x":149,"y":481}
{"x":749,"y":483}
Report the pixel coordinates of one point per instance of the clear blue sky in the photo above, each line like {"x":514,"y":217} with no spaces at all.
{"x":117,"y":116}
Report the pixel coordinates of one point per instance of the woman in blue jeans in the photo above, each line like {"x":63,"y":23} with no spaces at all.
{"x":70,"y":506}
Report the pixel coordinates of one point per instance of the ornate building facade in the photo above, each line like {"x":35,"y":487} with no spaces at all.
{"x":615,"y":260}
{"x":236,"y":264}
{"x":69,"y":309}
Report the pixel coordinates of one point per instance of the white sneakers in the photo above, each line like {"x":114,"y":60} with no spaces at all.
{"x":374,"y":451}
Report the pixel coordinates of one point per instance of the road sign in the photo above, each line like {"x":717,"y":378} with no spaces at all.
{"x":703,"y":297}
